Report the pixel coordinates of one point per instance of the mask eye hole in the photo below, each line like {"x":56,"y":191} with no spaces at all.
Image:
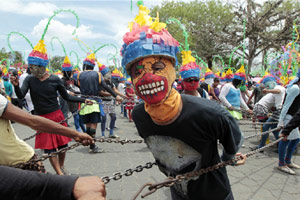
{"x":136,"y":69}
{"x":158,"y":66}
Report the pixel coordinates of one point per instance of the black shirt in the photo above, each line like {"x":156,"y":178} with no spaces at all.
{"x":44,"y":93}
{"x":90,"y":81}
{"x":190,"y":143}
{"x":109,"y":84}
{"x":26,"y":185}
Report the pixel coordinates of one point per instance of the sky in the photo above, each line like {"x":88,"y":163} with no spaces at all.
{"x":101,"y":22}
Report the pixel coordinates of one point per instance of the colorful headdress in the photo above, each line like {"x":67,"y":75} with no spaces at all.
{"x":268,"y":77}
{"x":209,"y":74}
{"x":147,"y":38}
{"x":115,"y":74}
{"x":128,"y":82}
{"x":229,"y":75}
{"x":102,"y":68}
{"x":223,"y":77}
{"x":240,"y":74}
{"x":67,"y":66}
{"x":122,"y":78}
{"x":39,"y":56}
{"x":90,"y":60}
{"x":189,"y":66}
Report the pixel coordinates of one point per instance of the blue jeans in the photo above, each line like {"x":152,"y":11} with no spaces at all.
{"x":285,"y":151}
{"x":78,"y":123}
{"x":113,"y":119}
{"x":265,"y":128}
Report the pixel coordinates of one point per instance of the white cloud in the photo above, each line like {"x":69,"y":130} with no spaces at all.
{"x":64,"y":31}
{"x":31,"y":8}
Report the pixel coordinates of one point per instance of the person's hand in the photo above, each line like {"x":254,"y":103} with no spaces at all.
{"x":14,"y":80}
{"x":87,"y":188}
{"x":280,"y":124}
{"x":243,"y":159}
{"x":283,"y":136}
{"x":72,"y":93}
{"x":231,"y":108}
{"x":264,"y":91}
{"x":84,"y":138}
{"x":250,"y":111}
{"x":89,"y":102}
{"x":119,"y":99}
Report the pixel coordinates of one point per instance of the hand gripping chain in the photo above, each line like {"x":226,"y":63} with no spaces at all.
{"x":179,"y":178}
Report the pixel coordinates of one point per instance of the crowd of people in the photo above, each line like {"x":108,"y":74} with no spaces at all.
{"x":182,"y":120}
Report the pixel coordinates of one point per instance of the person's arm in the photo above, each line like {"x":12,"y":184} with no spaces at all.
{"x":63,"y":92}
{"x":22,"y":184}
{"x":229,"y":135}
{"x":293,"y":123}
{"x":223,"y":95}
{"x":243,"y":104}
{"x":42,"y":124}
{"x":273,"y":91}
{"x":104,"y":93}
{"x":291,"y":94}
{"x":212,"y":92}
{"x":20,"y":92}
{"x":252,"y":95}
{"x":118,"y":92}
{"x":107,"y":88}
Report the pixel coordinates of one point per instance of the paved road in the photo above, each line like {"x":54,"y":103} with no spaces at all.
{"x":258,"y":179}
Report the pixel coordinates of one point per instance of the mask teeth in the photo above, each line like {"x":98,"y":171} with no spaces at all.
{"x":152,"y":88}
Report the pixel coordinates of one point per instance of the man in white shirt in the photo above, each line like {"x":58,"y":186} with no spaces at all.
{"x":271,"y":102}
{"x":29,"y":106}
{"x":121,"y":88}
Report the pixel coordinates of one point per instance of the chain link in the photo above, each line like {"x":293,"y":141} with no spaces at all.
{"x":187,"y":176}
{"x":128,"y":172}
{"x":263,"y":133}
{"x":257,"y":123}
{"x":63,"y":150}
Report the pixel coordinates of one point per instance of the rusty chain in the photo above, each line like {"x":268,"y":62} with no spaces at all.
{"x":263,"y":133}
{"x":63,"y":150}
{"x":187,"y":176}
{"x":128,"y":172}
{"x":256,"y":123}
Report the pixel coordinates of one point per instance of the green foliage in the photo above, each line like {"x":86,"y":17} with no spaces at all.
{"x":56,"y":63}
{"x":200,"y":20}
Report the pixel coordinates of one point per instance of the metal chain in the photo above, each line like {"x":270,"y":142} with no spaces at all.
{"x":63,"y":150}
{"x":257,"y":123}
{"x":120,"y":141}
{"x":263,"y":133}
{"x":128,"y":172}
{"x":62,"y":121}
{"x":187,"y":176}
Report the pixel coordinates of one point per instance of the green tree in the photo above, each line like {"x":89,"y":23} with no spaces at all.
{"x":203,"y":20}
{"x":56,"y":62}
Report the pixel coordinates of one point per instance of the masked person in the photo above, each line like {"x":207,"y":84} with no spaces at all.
{"x":44,"y":89}
{"x":270,"y":103}
{"x":109,"y":105}
{"x":91,"y":83}
{"x":190,"y":73}
{"x":179,"y":137}
{"x":287,"y":147}
{"x":231,"y":97}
